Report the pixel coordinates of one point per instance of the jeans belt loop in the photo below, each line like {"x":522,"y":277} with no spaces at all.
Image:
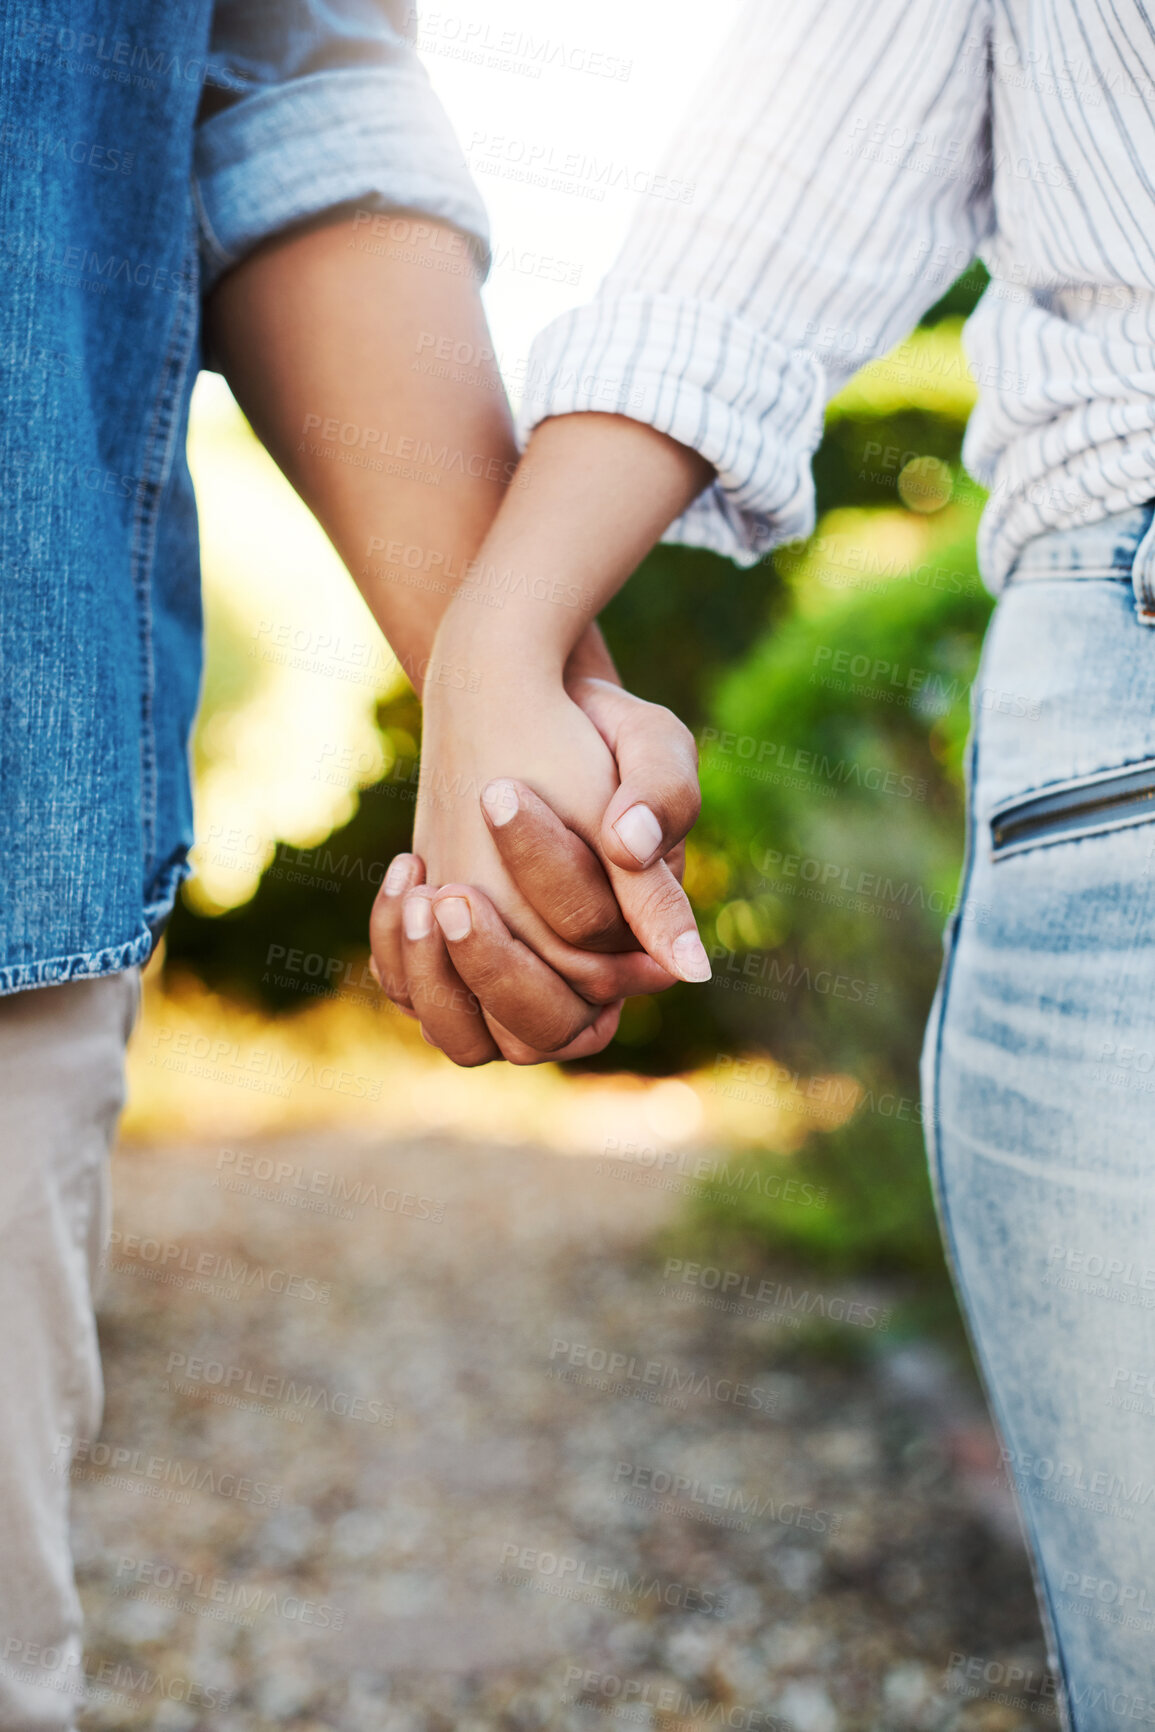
{"x":1143,"y":575}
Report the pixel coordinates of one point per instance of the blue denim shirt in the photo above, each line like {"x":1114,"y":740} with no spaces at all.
{"x":143,"y":151}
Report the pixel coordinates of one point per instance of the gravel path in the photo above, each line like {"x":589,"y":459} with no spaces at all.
{"x":427,"y":1437}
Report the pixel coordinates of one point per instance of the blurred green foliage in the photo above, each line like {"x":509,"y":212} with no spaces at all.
{"x":829,"y":690}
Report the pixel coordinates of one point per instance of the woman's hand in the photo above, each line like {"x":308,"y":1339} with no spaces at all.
{"x":620,"y":775}
{"x":592,"y":494}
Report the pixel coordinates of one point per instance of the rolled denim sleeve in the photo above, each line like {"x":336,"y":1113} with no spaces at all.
{"x":312,"y":106}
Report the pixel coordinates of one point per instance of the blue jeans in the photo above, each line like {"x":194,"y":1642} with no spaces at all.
{"x":1039,"y":1080}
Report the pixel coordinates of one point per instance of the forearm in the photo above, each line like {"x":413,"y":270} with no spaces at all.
{"x":312,"y":332}
{"x":595,"y":493}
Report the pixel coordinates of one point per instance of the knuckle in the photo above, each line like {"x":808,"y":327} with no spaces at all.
{"x":471,"y":1057}
{"x":585,"y":919}
{"x":676,"y":735}
{"x":599,"y":983}
{"x":557,"y":1028}
{"x":679,"y":808}
{"x":520,"y":1054}
{"x":393,"y":985}
{"x":522,"y":843}
{"x":661,"y":899}
{"x":479,"y":966}
{"x":441,"y":1004}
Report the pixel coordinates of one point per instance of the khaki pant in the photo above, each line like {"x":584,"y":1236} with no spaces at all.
{"x":61,"y":1091}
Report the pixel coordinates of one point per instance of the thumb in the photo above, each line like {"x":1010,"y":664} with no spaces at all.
{"x":658,"y":913}
{"x":657,"y":800}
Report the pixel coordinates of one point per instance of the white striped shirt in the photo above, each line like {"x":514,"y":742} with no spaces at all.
{"x":845,"y":160}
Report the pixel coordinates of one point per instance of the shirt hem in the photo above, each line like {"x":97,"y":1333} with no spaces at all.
{"x":110,"y":958}
{"x":81,"y":965}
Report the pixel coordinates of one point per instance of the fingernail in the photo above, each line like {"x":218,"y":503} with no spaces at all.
{"x":397,"y":877}
{"x":500,"y":801}
{"x":690,"y":958}
{"x":454,"y":917}
{"x":639,"y":831}
{"x":417,"y":917}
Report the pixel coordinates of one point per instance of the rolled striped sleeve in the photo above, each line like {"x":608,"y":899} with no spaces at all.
{"x":836,"y":155}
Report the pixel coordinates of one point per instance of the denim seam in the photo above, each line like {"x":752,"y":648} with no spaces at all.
{"x":165,"y":884}
{"x":156,"y":469}
{"x":939,"y":1188}
{"x":218,"y":257}
{"x":1093,"y":779}
{"x":1070,"y":574}
{"x":1141,"y":577}
{"x":1107,"y":828}
{"x":1067,"y":838}
{"x":79,"y":965}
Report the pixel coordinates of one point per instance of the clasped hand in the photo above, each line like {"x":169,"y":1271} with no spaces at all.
{"x":545,"y":885}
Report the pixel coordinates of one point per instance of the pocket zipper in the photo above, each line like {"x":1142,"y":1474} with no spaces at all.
{"x":1122,"y":797}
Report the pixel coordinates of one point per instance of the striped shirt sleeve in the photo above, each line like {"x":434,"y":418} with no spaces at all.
{"x":835,"y":150}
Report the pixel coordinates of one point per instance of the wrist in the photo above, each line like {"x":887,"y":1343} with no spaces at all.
{"x":479,"y":657}
{"x":517,"y":634}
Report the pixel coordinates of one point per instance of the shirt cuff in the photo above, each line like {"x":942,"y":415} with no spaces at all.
{"x":377,"y":136}
{"x":750,"y":406}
